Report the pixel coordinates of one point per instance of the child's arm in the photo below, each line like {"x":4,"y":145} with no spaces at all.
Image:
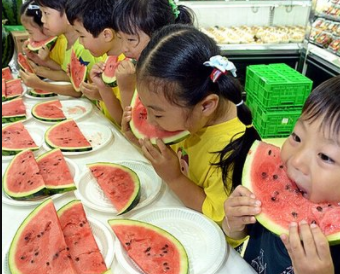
{"x":110,"y":100}
{"x":240,"y":209}
{"x":55,"y":75}
{"x":308,"y":249}
{"x":33,"y":81}
{"x":126,"y":81}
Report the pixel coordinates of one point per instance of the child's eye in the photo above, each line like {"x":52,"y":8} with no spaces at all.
{"x":158,"y":116}
{"x":295,"y":137}
{"x":325,"y":158}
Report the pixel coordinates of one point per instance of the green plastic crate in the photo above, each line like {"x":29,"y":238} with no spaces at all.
{"x":277,"y":85}
{"x":272,"y":123}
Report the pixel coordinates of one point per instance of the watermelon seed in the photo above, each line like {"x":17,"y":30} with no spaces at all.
{"x":77,"y":259}
{"x":36,"y":253}
{"x":264,"y":175}
{"x":147,"y":250}
{"x":56,"y":255}
{"x":275,"y":177}
{"x":22,"y":257}
{"x":270,"y":152}
{"x":281,"y":166}
{"x":313,"y":222}
{"x":47,"y":263}
{"x":67,"y":248}
{"x":32,"y":261}
{"x":319,"y":208}
{"x":294,"y":214}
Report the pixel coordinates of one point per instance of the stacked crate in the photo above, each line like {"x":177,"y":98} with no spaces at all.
{"x":275,"y":95}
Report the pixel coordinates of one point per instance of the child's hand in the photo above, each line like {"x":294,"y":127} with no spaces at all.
{"x":30,"y":79}
{"x":125,"y":127}
{"x":90,"y":90}
{"x":44,"y":53}
{"x":126,"y":75}
{"x":309,"y":250}
{"x":163,"y":159}
{"x":96,"y":74}
{"x":25,"y":49}
{"x":240,"y":209}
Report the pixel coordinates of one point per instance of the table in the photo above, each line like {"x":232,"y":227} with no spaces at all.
{"x":119,"y":149}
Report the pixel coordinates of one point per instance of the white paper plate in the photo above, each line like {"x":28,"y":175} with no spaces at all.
{"x":74,"y":170}
{"x":28,"y":112}
{"x":61,"y":97}
{"x":92,"y":195}
{"x":37,"y":135}
{"x":98,"y":135}
{"x":202,"y":239}
{"x":104,"y":238}
{"x":73,"y":109}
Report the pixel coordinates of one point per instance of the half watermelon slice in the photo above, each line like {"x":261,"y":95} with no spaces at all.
{"x":7,"y":74}
{"x":79,"y":238}
{"x":67,"y":136}
{"x":39,"y":245}
{"x":50,"y":111}
{"x":24,"y":63}
{"x":282,"y":201}
{"x":41,"y":93}
{"x":13,"y":89}
{"x":13,"y":111}
{"x":36,"y":45}
{"x":120,"y":185}
{"x":78,"y":71}
{"x":153,"y":249}
{"x":109,"y":74}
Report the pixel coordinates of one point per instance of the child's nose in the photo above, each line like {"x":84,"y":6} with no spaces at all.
{"x":300,"y":160}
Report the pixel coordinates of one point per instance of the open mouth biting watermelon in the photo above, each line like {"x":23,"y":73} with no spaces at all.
{"x":142,"y":129}
{"x":36,"y":45}
{"x":153,"y":249}
{"x":119,"y":183}
{"x":282,"y":201}
{"x":78,"y":71}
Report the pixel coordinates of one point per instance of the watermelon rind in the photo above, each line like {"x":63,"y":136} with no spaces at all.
{"x":110,"y":81}
{"x":65,"y":149}
{"x":184,"y":260}
{"x":12,"y":119}
{"x":34,"y":193}
{"x":45,"y":119}
{"x":56,"y":189}
{"x":80,"y":70}
{"x":135,"y":197}
{"x":264,"y":218}
{"x":48,"y":42}
{"x":33,"y":93}
{"x":176,"y":138}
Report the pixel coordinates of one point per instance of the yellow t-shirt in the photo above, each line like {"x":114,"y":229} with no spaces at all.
{"x":197,"y":154}
{"x":116,"y":92}
{"x":57,"y":53}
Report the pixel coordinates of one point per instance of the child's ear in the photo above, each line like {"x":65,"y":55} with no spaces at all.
{"x":209,"y":104}
{"x":109,"y":34}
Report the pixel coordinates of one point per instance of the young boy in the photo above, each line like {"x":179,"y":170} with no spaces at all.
{"x":56,"y":23}
{"x":92,"y":22}
{"x":312,"y":159}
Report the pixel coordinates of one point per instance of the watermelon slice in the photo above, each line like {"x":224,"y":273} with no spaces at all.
{"x":22,"y":179}
{"x":119,"y":183}
{"x":16,"y":138}
{"x":153,"y":249}
{"x":24,"y":64}
{"x":39,"y":245}
{"x":109,"y":74}
{"x":14,"y":89}
{"x":3,"y":90}
{"x":50,"y":111}
{"x":7,"y":74}
{"x":41,"y":93}
{"x":282,"y":202}
{"x":13,"y":111}
{"x":67,"y":136}
{"x":36,"y":45}
{"x":79,"y":238}
{"x":142,"y":129}
{"x":55,"y":172}
{"x":78,"y":71}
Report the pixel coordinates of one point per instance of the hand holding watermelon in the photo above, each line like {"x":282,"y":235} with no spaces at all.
{"x":30,"y":79}
{"x":96,"y":74}
{"x":90,"y":90}
{"x":125,"y":126}
{"x":126,"y":80}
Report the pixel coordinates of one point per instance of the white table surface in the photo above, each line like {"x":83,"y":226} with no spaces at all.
{"x":117,"y":150}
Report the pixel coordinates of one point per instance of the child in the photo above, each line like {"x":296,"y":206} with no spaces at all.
{"x":185,"y":84}
{"x":92,"y":21}
{"x":55,"y":23}
{"x":135,"y":21}
{"x":46,"y":59}
{"x":312,"y":158}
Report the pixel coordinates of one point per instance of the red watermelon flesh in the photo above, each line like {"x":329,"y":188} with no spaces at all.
{"x":7,"y":74}
{"x":282,"y":201}
{"x":120,"y":185}
{"x":55,"y":172}
{"x":109,"y":74}
{"x":78,"y":71}
{"x":51,"y":110}
{"x":79,"y":238}
{"x":37,"y":92}
{"x":142,"y":129}
{"x":25,"y":182}
{"x":15,"y":136}
{"x":39,"y":246}
{"x":36,"y":45}
{"x":23,"y":63}
{"x":3,"y":89}
{"x":14,"y":88}
{"x":14,"y":108}
{"x":153,"y":249}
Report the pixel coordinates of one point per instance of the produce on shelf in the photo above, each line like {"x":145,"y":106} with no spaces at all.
{"x":7,"y":46}
{"x":11,"y":11}
{"x":282,"y":202}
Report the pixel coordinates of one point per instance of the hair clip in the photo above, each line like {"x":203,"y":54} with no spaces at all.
{"x":33,"y":7}
{"x":174,"y":8}
{"x":221,"y":65}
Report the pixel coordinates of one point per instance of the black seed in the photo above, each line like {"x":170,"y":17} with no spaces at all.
{"x":32,"y":261}
{"x":313,"y":222}
{"x":36,"y":253}
{"x":147,"y":250}
{"x":281,"y":166}
{"x":270,"y":152}
{"x":275,"y":177}
{"x":77,"y":259}
{"x":22,"y":257}
{"x":264,"y":175}
{"x":294,"y":214}
{"x":273,"y":199}
{"x":47,"y":263}
{"x":319,"y":208}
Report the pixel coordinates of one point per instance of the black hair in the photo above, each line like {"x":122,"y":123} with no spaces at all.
{"x":324,"y":101}
{"x":32,"y":9}
{"x":185,"y":81}
{"x":148,"y":15}
{"x":58,"y":5}
{"x":95,"y":15}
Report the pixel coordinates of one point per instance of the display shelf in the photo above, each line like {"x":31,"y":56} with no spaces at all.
{"x":261,"y":49}
{"x":242,"y":3}
{"x":329,"y":59}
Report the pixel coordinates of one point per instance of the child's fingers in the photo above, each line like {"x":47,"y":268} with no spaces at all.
{"x":307,"y":239}
{"x":321,"y":243}
{"x":293,"y":242}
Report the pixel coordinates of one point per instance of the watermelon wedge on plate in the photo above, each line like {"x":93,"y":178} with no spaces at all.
{"x":13,"y":111}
